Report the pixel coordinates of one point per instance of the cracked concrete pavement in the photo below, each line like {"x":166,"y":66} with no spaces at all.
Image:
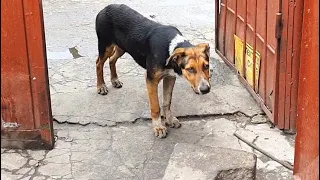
{"x":110,"y":137}
{"x":130,"y":151}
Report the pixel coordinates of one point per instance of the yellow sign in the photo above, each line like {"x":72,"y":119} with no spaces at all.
{"x":249,"y":61}
{"x":249,"y":66}
{"x":238,"y":54}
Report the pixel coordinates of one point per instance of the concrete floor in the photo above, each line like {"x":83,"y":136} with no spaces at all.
{"x":110,"y":137}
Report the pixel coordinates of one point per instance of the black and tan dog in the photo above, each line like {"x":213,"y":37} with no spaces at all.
{"x":160,"y":49}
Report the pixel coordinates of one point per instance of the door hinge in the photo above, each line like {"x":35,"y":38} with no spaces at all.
{"x":278,"y":29}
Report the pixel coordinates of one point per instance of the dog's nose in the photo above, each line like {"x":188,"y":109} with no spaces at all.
{"x":204,"y":89}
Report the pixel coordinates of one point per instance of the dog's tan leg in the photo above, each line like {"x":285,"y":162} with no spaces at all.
{"x":101,"y":86}
{"x":168,"y":84}
{"x":159,"y":129}
{"x":118,"y":52}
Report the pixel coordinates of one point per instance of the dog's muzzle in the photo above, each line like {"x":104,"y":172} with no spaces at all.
{"x":203,"y":88}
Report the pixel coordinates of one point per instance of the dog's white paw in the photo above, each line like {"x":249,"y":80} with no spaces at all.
{"x":116,"y":83}
{"x":172,"y":122}
{"x":159,"y":129}
{"x":102,"y":89}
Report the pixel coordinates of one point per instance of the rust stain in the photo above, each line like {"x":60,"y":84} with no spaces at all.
{"x":8,"y":112}
{"x":44,"y":126}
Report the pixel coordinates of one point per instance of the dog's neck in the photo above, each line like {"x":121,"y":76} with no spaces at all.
{"x":178,"y":42}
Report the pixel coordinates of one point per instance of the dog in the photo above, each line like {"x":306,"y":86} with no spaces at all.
{"x":160,"y":49}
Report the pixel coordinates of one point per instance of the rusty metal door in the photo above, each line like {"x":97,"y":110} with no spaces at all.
{"x":26,"y":119}
{"x":289,"y":63}
{"x":266,"y":28}
{"x":307,"y":141}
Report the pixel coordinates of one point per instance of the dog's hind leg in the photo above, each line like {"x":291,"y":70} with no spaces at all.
{"x":103,"y":56}
{"x":168,"y":84}
{"x":117,"y":53}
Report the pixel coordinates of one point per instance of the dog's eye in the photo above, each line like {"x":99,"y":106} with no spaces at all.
{"x":206,"y":67}
{"x":191,"y":70}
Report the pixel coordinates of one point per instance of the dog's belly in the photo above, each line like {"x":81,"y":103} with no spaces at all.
{"x":141,"y":60}
{"x":138,"y":57}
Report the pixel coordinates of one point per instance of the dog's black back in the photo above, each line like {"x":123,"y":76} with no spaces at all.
{"x":145,"y":40}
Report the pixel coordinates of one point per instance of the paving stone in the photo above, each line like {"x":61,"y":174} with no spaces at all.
{"x":23,"y":171}
{"x":63,"y":133}
{"x":259,"y":119}
{"x":39,"y":178}
{"x":33,"y":162}
{"x":26,"y":178}
{"x":53,"y":169}
{"x":268,"y":138}
{"x":90,"y":145}
{"x":62,"y":144}
{"x":219,"y":130}
{"x":63,"y":158}
{"x":37,"y":154}
{"x":12,"y":161}
{"x":189,"y":161}
{"x":9,"y":176}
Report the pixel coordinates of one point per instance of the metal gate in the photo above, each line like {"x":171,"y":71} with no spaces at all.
{"x":256,"y":39}
{"x":26,"y":119}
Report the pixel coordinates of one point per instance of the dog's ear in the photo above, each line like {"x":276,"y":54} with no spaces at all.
{"x":205,"y":48}
{"x":176,"y":57}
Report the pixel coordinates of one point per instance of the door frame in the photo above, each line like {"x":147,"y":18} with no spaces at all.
{"x":18,"y":131}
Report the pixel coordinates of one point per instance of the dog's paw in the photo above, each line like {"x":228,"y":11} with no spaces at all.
{"x":102,"y":89}
{"x":159,"y":129}
{"x":116,"y":83}
{"x":172,"y":122}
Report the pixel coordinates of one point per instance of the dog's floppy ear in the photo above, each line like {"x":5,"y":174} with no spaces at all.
{"x":176,"y":56}
{"x":206,"y":48}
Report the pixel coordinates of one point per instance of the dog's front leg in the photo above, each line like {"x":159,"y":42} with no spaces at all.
{"x":168,"y":84}
{"x":159,"y":129}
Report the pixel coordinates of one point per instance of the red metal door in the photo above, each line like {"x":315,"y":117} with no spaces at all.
{"x":289,"y":62}
{"x":266,"y":28}
{"x":26,"y":119}
{"x":307,"y":141}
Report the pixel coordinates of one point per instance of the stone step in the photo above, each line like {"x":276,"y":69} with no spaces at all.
{"x":195,"y":162}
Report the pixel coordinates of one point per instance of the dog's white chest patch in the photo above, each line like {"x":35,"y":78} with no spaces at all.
{"x":174,"y":42}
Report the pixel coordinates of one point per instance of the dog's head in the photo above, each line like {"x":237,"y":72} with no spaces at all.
{"x":193,"y":63}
